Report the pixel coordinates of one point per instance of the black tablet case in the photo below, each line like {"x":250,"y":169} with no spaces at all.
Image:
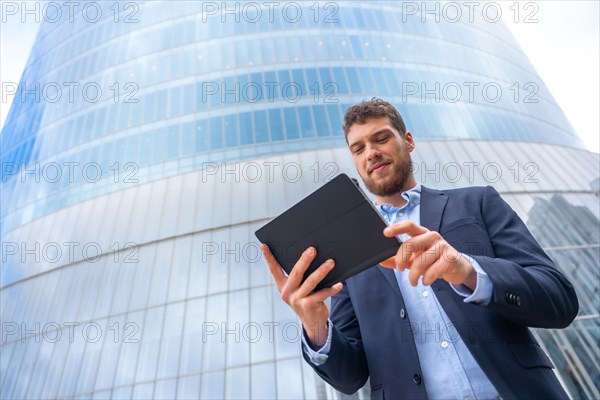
{"x":340,"y":222}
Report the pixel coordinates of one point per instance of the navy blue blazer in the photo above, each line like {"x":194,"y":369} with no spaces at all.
{"x":372,"y":337}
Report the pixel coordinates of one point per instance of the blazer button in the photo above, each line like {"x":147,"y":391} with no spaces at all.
{"x":518,"y":300}
{"x":417,"y":379}
{"x":402,"y":313}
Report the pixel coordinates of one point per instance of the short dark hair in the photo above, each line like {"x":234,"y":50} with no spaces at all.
{"x":374,"y":108}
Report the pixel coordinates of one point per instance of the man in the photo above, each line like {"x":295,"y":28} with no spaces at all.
{"x":448,"y":316}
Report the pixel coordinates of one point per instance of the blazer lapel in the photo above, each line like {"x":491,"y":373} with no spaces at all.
{"x":390,"y":276}
{"x":434,"y":202}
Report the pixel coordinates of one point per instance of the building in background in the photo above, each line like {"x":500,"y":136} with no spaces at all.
{"x":148,"y":141}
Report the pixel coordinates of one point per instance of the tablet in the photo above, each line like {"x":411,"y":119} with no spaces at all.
{"x":340,"y":221}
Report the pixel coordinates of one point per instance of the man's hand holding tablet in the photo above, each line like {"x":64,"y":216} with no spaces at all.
{"x":300,"y":296}
{"x":340,"y":234}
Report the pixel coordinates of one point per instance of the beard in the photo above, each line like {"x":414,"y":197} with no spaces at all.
{"x":394,"y":182}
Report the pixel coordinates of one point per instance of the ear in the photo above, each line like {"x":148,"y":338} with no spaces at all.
{"x":410,"y":142}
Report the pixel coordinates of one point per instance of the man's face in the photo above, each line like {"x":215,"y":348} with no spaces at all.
{"x":381,"y":155}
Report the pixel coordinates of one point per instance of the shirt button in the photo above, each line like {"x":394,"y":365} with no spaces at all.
{"x":402,"y":313}
{"x":417,"y":379}
{"x":444,"y":344}
{"x":401,"y":214}
{"x":425,"y":293}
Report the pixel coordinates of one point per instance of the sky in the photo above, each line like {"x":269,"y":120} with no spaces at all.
{"x":561,"y":39}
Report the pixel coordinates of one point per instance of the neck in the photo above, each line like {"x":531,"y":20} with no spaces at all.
{"x":396,"y":199}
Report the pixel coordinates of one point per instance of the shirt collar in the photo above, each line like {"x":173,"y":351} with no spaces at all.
{"x":413,"y":199}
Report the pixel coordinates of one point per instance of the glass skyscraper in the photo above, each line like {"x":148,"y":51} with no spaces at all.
{"x":148,"y":141}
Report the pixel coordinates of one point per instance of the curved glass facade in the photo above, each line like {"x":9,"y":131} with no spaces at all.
{"x":168,"y":88}
{"x":144,"y":148}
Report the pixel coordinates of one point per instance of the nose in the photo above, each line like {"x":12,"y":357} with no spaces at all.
{"x":373,"y":153}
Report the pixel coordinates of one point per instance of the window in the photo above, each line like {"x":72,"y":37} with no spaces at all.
{"x":275,"y":124}
{"x":202,"y":139}
{"x":246,"y":129}
{"x":216,"y":132}
{"x":291,"y":123}
{"x":260,"y":125}
{"x":231,"y":130}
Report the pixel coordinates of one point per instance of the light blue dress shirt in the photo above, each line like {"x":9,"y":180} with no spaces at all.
{"x":449,"y":370}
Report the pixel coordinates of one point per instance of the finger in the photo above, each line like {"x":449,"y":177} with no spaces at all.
{"x":435,"y":271}
{"x":417,"y":244}
{"x":297,"y":273}
{"x":274,"y":267}
{"x":447,"y":267}
{"x":422,"y":261}
{"x":324,"y":294}
{"x":389,"y":263}
{"x":315,"y":278}
{"x":407,"y":227}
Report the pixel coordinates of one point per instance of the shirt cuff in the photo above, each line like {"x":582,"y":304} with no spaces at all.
{"x":483,"y":288}
{"x":320,"y":356}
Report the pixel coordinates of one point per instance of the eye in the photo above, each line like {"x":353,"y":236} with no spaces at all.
{"x":357,"y":150}
{"x":382,"y":139}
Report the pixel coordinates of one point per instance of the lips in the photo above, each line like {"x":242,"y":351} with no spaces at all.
{"x":378,"y":167}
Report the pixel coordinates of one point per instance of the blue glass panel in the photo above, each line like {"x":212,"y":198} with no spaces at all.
{"x":335,"y":120}
{"x":283,"y":77}
{"x":275,"y":124}
{"x":291,"y":123}
{"x":306,"y":123}
{"x":188,"y":101}
{"x":272,"y":87}
{"x":187,"y":139}
{"x":228,"y":91}
{"x":358,"y":17}
{"x":346,"y":17}
{"x":231,"y":130}
{"x":367,"y":81}
{"x":161,"y":109}
{"x":379,"y":79}
{"x":356,"y":47}
{"x":228,"y":53}
{"x":298,"y":80}
{"x":160,"y":146}
{"x":321,"y":121}
{"x":254,"y":91}
{"x":216,"y":132}
{"x":246,"y":131}
{"x":380,"y":20}
{"x":354,"y":81}
{"x":149,"y":102}
{"x":146,"y":148}
{"x":260,"y":127}
{"x":173,"y":141}
{"x":391,"y":82}
{"x":133,"y":149}
{"x":202,"y":136}
{"x":174,"y":102}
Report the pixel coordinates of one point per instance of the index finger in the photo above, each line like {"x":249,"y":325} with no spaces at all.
{"x":274,"y":267}
{"x":407,"y":227}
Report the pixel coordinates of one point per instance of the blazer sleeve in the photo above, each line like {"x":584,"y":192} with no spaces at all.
{"x":346,"y":367}
{"x":528,"y":289}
